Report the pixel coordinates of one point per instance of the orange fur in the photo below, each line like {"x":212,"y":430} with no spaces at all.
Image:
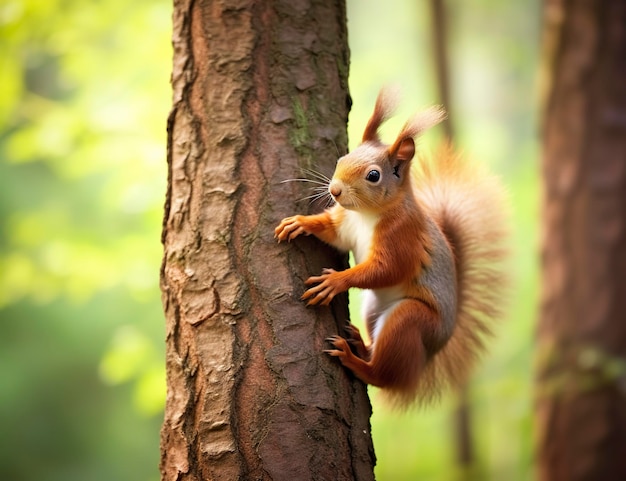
{"x":428,"y":249}
{"x":381,"y":268}
{"x":399,"y":344}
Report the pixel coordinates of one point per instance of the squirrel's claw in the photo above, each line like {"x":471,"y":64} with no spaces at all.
{"x":326,"y":273}
{"x":328,"y":286}
{"x":340,"y":344}
{"x":290,"y":228}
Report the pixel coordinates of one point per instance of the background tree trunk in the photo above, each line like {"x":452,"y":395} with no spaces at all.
{"x":260,"y":93}
{"x":582,"y":371}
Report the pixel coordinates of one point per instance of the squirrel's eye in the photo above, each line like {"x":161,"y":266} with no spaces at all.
{"x":373,"y":176}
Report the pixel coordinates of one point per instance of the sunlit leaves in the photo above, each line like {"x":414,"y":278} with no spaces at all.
{"x":85,"y":97}
{"x":132,"y":357}
{"x":89,"y":100}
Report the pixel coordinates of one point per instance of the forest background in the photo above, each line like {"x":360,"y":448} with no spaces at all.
{"x":84,"y":98}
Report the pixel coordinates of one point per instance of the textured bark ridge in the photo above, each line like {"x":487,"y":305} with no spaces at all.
{"x":260,"y":93}
{"x":582,"y":371}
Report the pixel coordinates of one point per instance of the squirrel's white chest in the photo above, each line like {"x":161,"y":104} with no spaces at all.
{"x":356,"y":233}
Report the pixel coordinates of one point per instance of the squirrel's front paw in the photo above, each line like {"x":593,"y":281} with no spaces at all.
{"x":329,"y":284}
{"x":290,"y":228}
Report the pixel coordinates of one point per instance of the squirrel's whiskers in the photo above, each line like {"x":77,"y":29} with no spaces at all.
{"x":320,"y":188}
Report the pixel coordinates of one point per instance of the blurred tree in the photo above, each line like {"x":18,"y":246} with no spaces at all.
{"x":260,"y":95}
{"x":582,"y":372}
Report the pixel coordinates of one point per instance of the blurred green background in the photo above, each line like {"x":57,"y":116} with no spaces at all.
{"x":84,"y":97}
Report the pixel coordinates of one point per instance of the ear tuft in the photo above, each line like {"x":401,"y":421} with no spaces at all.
{"x":424,"y":120}
{"x":386,"y":103}
{"x":415,"y":126}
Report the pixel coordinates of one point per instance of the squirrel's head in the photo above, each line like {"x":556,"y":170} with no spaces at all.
{"x":375,"y":174}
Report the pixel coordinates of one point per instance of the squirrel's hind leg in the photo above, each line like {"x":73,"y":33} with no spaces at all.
{"x":356,"y":342}
{"x":398,"y":354}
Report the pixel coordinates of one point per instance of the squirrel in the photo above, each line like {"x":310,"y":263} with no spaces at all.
{"x":428,"y":242}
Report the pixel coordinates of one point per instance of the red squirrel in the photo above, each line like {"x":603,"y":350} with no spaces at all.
{"x":428,"y":245}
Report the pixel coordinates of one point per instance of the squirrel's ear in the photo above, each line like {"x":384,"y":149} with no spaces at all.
{"x":403,"y":149}
{"x":404,"y":146}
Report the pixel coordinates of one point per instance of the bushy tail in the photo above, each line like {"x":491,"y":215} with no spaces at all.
{"x":471,"y":207}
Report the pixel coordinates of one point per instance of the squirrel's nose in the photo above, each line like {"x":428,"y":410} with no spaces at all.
{"x":335,"y":189}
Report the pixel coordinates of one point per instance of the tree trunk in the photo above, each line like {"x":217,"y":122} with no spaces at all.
{"x":582,"y":362}
{"x":260,"y":96}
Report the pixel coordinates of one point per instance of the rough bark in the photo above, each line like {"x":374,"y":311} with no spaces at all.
{"x":260,"y":93}
{"x":582,"y":333}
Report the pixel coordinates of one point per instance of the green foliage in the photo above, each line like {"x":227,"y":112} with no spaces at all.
{"x":84,"y":102}
{"x":82,"y":175}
